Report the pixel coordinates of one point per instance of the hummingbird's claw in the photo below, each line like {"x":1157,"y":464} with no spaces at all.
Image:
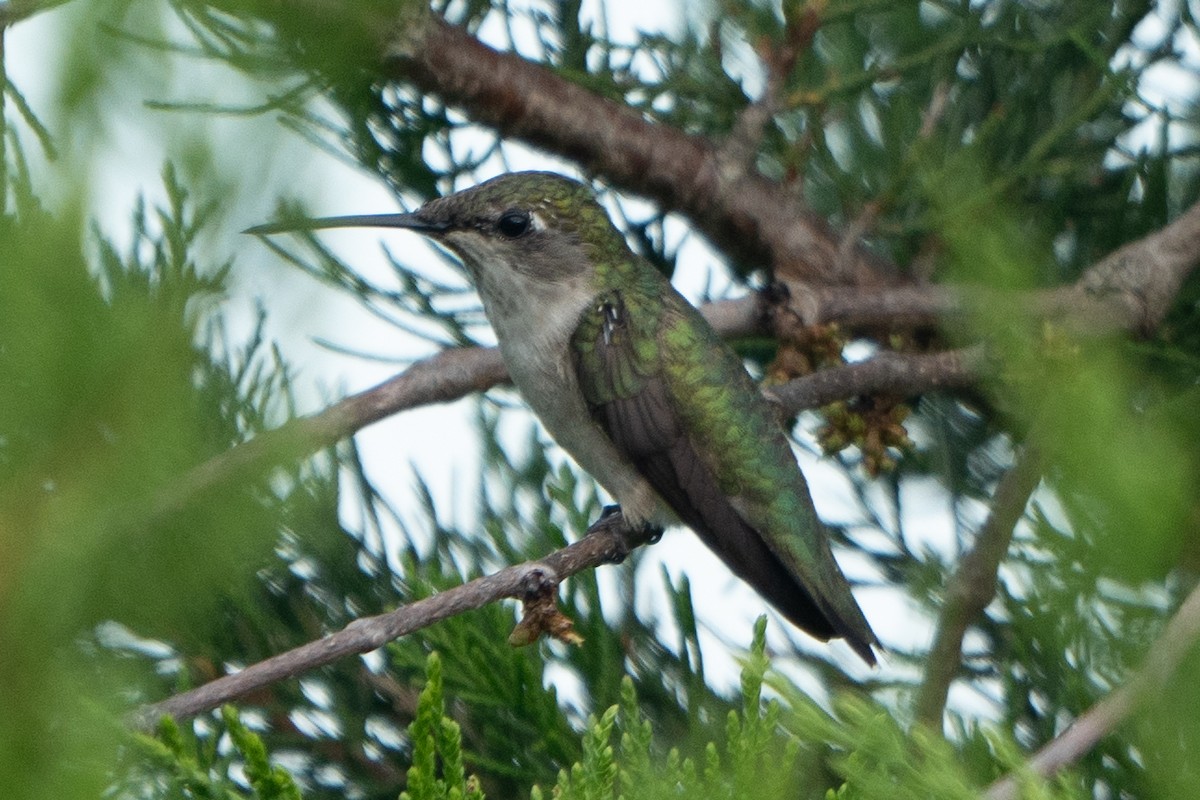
{"x":609,"y":511}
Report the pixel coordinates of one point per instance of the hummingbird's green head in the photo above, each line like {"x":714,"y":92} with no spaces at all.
{"x":538,"y":223}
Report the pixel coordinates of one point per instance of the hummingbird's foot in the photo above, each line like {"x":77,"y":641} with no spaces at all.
{"x":629,"y":535}
{"x":611,"y":521}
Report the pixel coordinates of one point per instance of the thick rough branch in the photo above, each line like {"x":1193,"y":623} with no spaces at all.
{"x":1176,"y":641}
{"x":974,"y":585}
{"x":608,"y":541}
{"x":1131,"y":289}
{"x":754,"y":220}
{"x":1145,"y":276}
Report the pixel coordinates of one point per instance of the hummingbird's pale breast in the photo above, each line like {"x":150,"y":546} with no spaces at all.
{"x":534,"y":320}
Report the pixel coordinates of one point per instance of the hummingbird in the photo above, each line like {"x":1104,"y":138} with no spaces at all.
{"x":632,"y":382}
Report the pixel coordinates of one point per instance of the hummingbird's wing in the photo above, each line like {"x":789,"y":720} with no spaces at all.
{"x":677,"y":402}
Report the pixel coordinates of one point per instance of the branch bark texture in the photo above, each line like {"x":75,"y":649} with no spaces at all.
{"x":608,"y":541}
{"x":896,"y":374}
{"x":446,"y":376}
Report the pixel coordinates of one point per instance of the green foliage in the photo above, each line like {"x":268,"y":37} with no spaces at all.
{"x":998,"y":144}
{"x":437,"y":739}
{"x":267,"y":781}
{"x":765,"y":750}
{"x":178,"y":764}
{"x":99,"y":414}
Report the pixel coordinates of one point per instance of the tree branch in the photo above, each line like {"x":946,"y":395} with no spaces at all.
{"x":1175,"y":642}
{"x":1131,"y":289}
{"x":754,"y":220}
{"x":974,"y":585}
{"x":899,"y":374}
{"x":1144,"y":276}
{"x":608,"y":541}
{"x":446,"y":376}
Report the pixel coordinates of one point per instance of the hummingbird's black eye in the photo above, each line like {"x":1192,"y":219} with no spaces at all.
{"x":513,"y":223}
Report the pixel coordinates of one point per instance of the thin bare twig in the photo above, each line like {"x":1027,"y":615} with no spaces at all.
{"x":608,"y":541}
{"x":448,"y":375}
{"x":740,"y":148}
{"x":974,"y":585}
{"x":1177,"y":640}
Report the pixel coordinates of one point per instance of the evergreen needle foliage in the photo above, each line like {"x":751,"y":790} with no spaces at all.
{"x":764,"y":751}
{"x":155,"y":534}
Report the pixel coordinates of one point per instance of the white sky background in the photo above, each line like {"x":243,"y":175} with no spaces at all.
{"x":438,"y":442}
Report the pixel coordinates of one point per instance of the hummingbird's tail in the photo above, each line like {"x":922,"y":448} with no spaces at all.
{"x":824,"y":608}
{"x":749,"y":556}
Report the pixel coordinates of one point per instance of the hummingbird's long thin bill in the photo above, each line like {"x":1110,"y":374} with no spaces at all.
{"x":407,"y":221}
